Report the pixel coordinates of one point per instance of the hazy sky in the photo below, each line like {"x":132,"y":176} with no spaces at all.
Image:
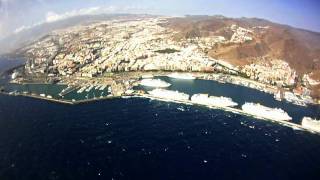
{"x":17,"y":15}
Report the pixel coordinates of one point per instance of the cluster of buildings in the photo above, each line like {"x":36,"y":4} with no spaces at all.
{"x":275,"y":72}
{"x":88,"y":51}
{"x":119,"y":45}
{"x":112,"y":46}
{"x":241,"y":34}
{"x":309,"y":81}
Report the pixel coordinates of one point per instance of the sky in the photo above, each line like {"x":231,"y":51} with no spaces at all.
{"x":18,"y":15}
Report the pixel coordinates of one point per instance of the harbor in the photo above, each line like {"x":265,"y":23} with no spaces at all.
{"x":124,"y":81}
{"x":140,"y":85}
{"x":59,"y":93}
{"x":138,"y":94}
{"x":159,"y":90}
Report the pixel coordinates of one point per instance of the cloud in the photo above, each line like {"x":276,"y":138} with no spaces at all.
{"x":52,"y":16}
{"x":22,"y":28}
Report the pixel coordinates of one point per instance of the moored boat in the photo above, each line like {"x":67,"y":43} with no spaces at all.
{"x":147,"y":76}
{"x":312,"y":124}
{"x":205,"y":99}
{"x":186,"y":76}
{"x":266,"y":112}
{"x":169,"y":95}
{"x":154,"y":83}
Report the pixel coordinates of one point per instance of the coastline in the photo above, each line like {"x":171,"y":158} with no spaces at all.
{"x":217,"y":77}
{"x":134,"y":77}
{"x":236,"y":111}
{"x":68,"y":102}
{"x":292,"y":125}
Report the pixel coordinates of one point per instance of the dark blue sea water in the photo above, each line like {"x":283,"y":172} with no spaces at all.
{"x":145,"y":139}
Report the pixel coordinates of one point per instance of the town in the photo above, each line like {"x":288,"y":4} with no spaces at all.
{"x":93,"y":54}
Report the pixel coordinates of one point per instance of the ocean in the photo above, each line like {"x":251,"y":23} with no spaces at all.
{"x":139,"y":138}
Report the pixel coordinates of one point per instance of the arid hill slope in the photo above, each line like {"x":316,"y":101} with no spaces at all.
{"x":300,"y":48}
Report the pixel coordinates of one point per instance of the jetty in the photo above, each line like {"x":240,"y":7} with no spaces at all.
{"x":68,"y":90}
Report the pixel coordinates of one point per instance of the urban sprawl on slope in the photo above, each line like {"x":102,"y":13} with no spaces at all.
{"x":90,"y":54}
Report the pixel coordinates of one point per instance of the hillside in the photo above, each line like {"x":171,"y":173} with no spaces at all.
{"x":258,"y":49}
{"x":300,"y":48}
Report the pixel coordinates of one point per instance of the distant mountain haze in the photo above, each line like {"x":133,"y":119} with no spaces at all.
{"x":27,"y":36}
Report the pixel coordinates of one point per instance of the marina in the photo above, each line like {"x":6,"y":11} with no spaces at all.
{"x":67,"y":90}
{"x":58,"y":93}
{"x":81,"y":89}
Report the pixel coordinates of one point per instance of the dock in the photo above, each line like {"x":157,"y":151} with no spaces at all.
{"x":68,"y":90}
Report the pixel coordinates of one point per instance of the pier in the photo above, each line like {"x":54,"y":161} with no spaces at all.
{"x":68,"y":90}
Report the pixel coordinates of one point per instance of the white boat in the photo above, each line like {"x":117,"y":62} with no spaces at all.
{"x":300,"y":103}
{"x":14,"y":75}
{"x":82,"y":89}
{"x":169,"y":95}
{"x":312,"y":124}
{"x":129,"y":92}
{"x":102,"y":87}
{"x":90,"y":88}
{"x":97,"y":87}
{"x":266,"y":112}
{"x":181,"y":76}
{"x":205,"y":99}
{"x":67,"y":90}
{"x":277,"y":96}
{"x":154,"y":83}
{"x":147,"y":76}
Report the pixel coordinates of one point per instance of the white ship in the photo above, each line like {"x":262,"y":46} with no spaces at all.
{"x":312,"y":124}
{"x":181,"y":76}
{"x":169,"y":95}
{"x":154,"y":83}
{"x":266,"y":112}
{"x":205,"y":99}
